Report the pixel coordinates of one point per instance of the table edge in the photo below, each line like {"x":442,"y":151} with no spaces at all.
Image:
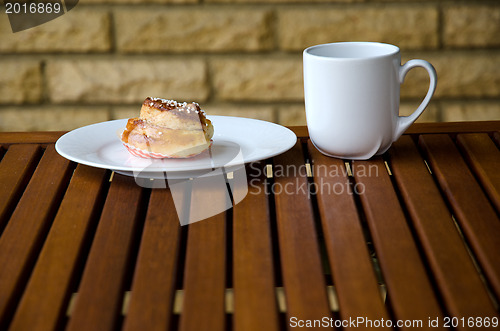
{"x":48,"y":137}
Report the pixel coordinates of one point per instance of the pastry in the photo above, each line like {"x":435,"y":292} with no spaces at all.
{"x":168,"y":129}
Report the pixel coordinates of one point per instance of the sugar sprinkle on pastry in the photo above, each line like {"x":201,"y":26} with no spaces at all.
{"x":168,"y":129}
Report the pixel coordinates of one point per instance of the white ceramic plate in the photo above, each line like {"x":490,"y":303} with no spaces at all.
{"x":236,"y":141}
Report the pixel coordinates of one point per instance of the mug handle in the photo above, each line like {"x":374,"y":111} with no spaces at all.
{"x":405,"y":121}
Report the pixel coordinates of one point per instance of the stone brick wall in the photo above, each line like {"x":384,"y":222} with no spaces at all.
{"x":236,"y":57}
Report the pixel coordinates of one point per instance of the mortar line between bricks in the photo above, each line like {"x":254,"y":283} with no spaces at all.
{"x":274,"y":30}
{"x":278,"y":55}
{"x":321,"y":4}
{"x":440,"y":27}
{"x":278,"y":5}
{"x":112,"y":33}
{"x":439,"y":106}
{"x":210,"y":77}
{"x":229,"y":103}
{"x":45,"y":95}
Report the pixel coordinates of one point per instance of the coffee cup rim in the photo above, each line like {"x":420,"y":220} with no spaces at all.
{"x":392,"y":50}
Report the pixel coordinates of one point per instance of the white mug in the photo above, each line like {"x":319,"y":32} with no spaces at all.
{"x":352,"y":97}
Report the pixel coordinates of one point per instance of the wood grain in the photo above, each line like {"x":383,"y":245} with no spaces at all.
{"x":54,"y":271}
{"x":454,"y":127}
{"x":23,"y":236}
{"x":42,"y":137}
{"x":300,"y":131}
{"x":484,"y":158}
{"x":353,"y":274}
{"x":47,"y":137}
{"x":16,"y":168}
{"x":437,"y":127}
{"x":253,"y":275}
{"x":205,"y":264}
{"x":205,"y":276}
{"x":48,"y":223}
{"x":477,"y":218}
{"x":153,"y":286}
{"x":302,"y":271}
{"x":459,"y":283}
{"x":101,"y":289}
{"x":409,"y":288}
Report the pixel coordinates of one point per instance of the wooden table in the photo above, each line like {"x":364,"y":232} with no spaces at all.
{"x":410,"y":236}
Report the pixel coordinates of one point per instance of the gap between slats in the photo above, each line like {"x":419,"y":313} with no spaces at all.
{"x":332,"y":299}
{"x":18,"y":188}
{"x":323,"y":253}
{"x":278,"y":280}
{"x":368,"y":237}
{"x":134,"y":249}
{"x":47,"y":209}
{"x":327,"y":271}
{"x":3,"y":149}
{"x":112,"y":213}
{"x":467,"y":244}
{"x":280,"y":297}
{"x":496,"y":138}
{"x":416,"y":239}
{"x":476,"y":264}
{"x":229,"y":300}
{"x":366,"y":233}
{"x":80,"y":234}
{"x":229,"y":293}
{"x":366,"y":230}
{"x":319,"y":229}
{"x":472,"y":256}
{"x":86,"y":245}
{"x":473,"y":149}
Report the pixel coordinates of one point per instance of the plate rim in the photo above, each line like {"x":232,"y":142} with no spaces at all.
{"x":129,"y":168}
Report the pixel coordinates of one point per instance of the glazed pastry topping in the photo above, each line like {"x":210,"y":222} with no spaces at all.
{"x":164,"y":104}
{"x":169,"y":129}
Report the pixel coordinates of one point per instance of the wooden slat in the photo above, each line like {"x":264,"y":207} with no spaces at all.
{"x":153,"y":285}
{"x":300,"y":131}
{"x":454,"y":127}
{"x":409,"y":288}
{"x":101,"y":290}
{"x":24,"y":234}
{"x":460,"y":286}
{"x":204,"y":275}
{"x":47,"y":137}
{"x":205,"y":267}
{"x":253,"y":275}
{"x":16,"y":168}
{"x":303,"y":279}
{"x":55,"y":268}
{"x":484,"y":158}
{"x":353,"y":274}
{"x":437,"y":127}
{"x":472,"y":209}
